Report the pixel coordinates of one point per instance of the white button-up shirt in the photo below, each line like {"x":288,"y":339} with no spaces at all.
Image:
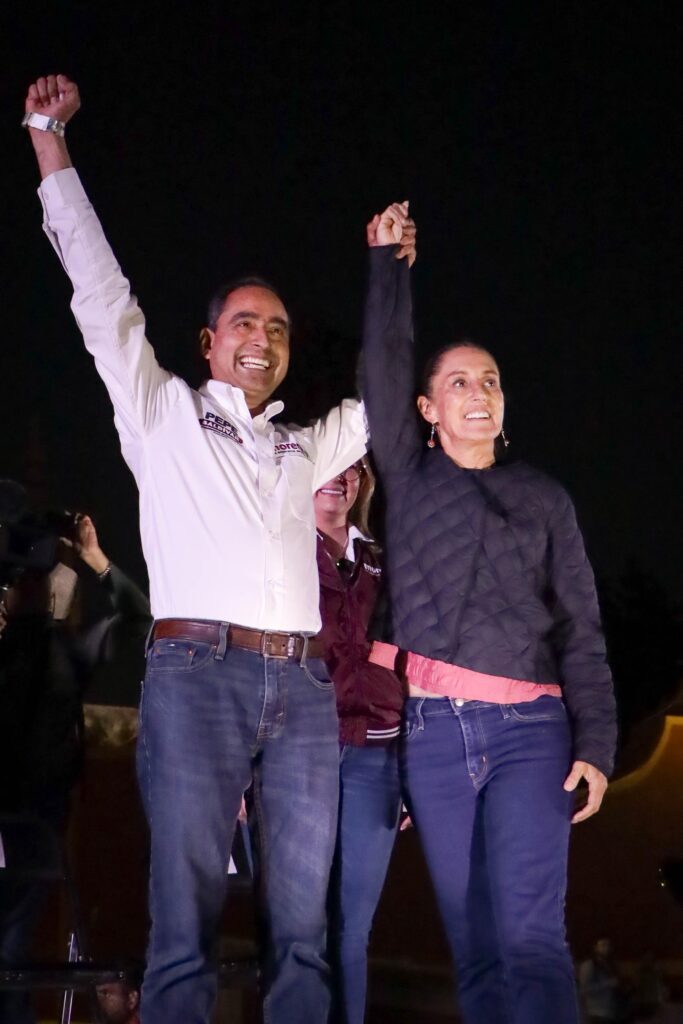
{"x":226,"y":501}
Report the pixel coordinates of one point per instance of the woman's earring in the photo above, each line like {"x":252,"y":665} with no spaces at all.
{"x":431,"y":443}
{"x":505,"y":440}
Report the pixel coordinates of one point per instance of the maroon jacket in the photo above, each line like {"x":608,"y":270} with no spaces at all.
{"x":369,"y":697}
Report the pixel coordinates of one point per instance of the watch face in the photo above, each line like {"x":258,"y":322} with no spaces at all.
{"x":43,"y":123}
{"x":36,"y":120}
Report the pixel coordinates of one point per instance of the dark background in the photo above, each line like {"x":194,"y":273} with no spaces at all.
{"x":539,"y":145}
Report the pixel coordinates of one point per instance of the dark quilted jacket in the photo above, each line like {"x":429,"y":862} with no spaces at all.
{"x":485,"y":568}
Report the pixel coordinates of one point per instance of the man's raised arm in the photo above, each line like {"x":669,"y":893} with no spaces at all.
{"x":109,"y":317}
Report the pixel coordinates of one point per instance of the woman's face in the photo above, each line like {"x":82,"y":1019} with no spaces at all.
{"x":337,"y":496}
{"x":466,"y":400}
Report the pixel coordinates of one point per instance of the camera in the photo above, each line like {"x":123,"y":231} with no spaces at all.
{"x":29,"y":540}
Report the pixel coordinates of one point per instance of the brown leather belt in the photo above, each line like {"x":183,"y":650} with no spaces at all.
{"x":271,"y":645}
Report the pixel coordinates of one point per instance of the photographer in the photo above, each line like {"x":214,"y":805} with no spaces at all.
{"x":50,"y":642}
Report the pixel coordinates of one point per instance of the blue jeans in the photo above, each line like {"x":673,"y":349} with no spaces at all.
{"x":484,"y":783}
{"x":211,"y":723}
{"x":369,"y":807}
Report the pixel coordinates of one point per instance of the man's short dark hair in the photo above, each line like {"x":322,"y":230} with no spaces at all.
{"x":133,"y":973}
{"x":129,"y":973}
{"x":222,"y":294}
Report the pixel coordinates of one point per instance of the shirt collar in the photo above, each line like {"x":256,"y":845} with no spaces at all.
{"x":232,"y":398}
{"x":354,"y":534}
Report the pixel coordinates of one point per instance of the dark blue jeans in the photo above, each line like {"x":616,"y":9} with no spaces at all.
{"x":484,"y":783}
{"x":369,"y":807}
{"x":209,"y":725}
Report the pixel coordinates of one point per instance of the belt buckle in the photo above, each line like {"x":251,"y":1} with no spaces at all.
{"x":266,"y":651}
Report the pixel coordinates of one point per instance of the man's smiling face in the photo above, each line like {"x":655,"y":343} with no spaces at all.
{"x":249,"y":347}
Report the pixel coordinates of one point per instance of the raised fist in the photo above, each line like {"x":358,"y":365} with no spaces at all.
{"x":55,"y":96}
{"x":394,"y":227}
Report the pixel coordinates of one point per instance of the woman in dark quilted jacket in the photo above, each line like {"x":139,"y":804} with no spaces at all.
{"x":492,"y":605}
{"x":369,"y":703}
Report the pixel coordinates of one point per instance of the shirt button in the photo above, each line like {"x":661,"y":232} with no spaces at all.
{"x":459,"y":701}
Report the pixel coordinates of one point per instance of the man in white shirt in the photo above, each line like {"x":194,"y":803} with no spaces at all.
{"x":235,"y":689}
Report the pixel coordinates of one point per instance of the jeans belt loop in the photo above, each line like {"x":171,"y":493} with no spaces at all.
{"x":222,"y":641}
{"x":148,"y":638}
{"x":418,"y":714}
{"x":304,"y":651}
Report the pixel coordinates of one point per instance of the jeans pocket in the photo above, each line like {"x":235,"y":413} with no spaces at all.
{"x":178,"y":655}
{"x":315,"y":670}
{"x":543,"y":709}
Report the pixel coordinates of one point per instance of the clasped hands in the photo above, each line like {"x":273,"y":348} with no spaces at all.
{"x":394,"y":226}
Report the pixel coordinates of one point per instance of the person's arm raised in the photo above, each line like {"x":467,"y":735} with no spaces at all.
{"x":108,"y":315}
{"x":340,"y":438}
{"x":55,"y":97}
{"x":388,"y":358}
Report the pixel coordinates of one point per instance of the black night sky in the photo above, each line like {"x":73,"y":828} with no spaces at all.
{"x":539,"y":145}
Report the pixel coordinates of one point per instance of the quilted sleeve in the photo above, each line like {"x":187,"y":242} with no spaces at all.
{"x":387,"y":375}
{"x":578,"y":640}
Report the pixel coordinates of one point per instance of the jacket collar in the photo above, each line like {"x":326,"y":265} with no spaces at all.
{"x":326,"y":564}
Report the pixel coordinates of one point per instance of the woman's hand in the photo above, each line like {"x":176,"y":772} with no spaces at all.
{"x":597,"y":784}
{"x":394,"y":227}
{"x":88,"y":546}
{"x":85,"y":544}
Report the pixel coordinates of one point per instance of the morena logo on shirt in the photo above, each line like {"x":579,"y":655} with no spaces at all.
{"x":289,"y":448}
{"x":211,"y":421}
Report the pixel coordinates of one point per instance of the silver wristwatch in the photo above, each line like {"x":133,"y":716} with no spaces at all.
{"x":43,"y":123}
